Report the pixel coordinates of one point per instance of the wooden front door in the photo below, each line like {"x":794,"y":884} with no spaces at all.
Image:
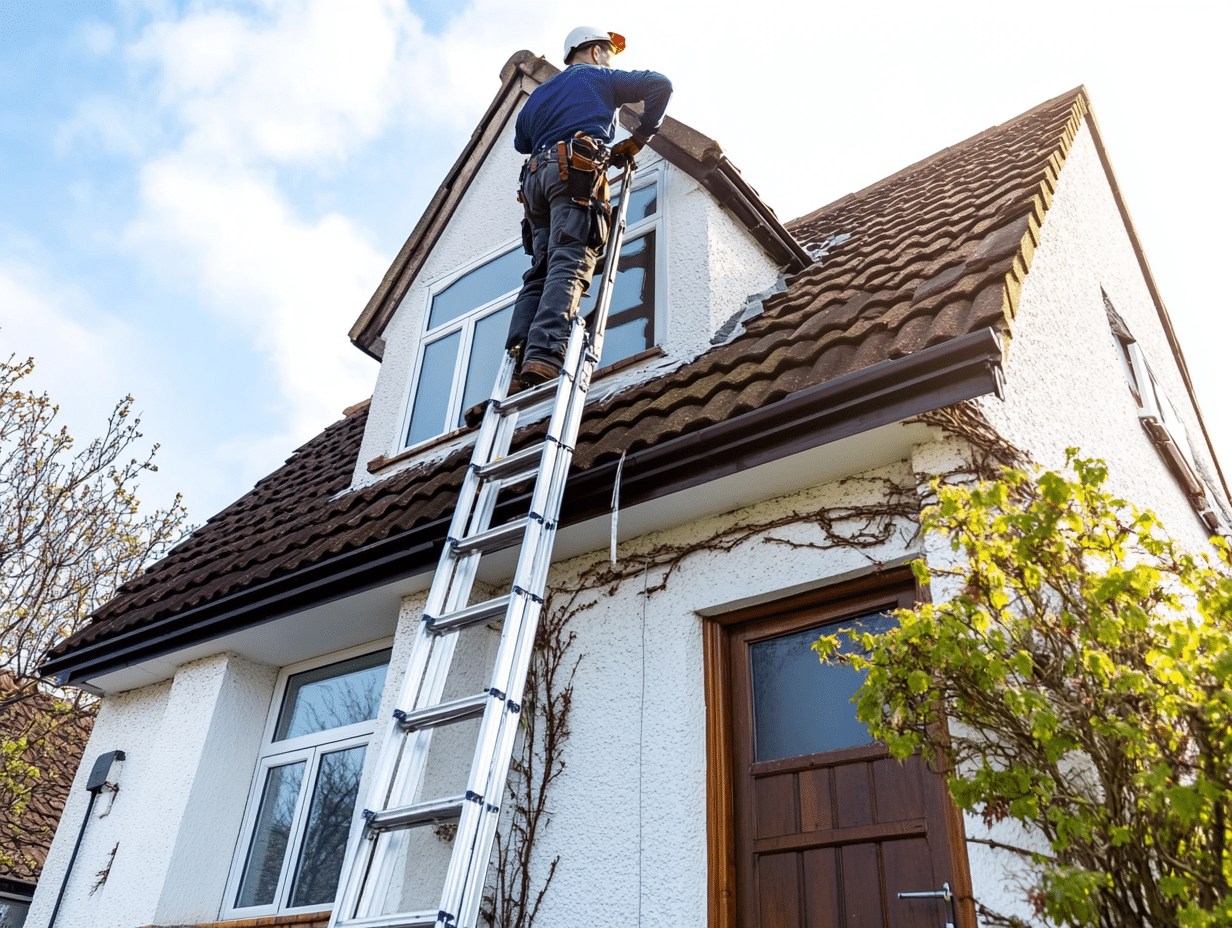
{"x":825,"y":828}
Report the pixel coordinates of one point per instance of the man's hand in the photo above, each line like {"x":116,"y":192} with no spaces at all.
{"x":623,"y":152}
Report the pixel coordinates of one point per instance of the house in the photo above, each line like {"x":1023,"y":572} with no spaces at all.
{"x":774,"y":402}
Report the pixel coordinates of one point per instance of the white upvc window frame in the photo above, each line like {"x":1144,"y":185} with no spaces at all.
{"x":466,"y":322}
{"x":310,"y":748}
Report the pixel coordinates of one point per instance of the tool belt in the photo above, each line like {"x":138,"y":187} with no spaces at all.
{"x":582,"y":162}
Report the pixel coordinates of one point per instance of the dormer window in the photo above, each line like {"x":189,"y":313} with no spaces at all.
{"x":468,"y":314}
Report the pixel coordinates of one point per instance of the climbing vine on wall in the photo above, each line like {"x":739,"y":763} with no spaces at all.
{"x":886,"y":507}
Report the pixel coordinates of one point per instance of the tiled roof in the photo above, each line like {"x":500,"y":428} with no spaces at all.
{"x":937,"y":251}
{"x":59,"y":735}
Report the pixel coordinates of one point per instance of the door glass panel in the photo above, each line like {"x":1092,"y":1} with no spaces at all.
{"x":330,"y":697}
{"x":432,"y":393}
{"x":329,"y":822}
{"x":487,"y":349}
{"x":269,"y":839}
{"x":482,"y":285}
{"x":800,"y":705}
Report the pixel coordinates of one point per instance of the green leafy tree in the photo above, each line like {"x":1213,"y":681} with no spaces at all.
{"x":1079,"y":683}
{"x":71,"y":531}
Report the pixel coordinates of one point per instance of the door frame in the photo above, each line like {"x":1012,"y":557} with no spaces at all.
{"x":888,"y":589}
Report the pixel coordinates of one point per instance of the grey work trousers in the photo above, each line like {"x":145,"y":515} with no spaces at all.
{"x":562,"y":264}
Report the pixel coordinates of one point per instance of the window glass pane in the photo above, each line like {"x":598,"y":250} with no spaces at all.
{"x":432,"y":393}
{"x":644,"y":203}
{"x":487,"y":349}
{"x":330,"y":697}
{"x":624,"y":341}
{"x":632,"y":298}
{"x":269,"y":839}
{"x":13,"y":914}
{"x":800,"y":705}
{"x":329,"y":821}
{"x":482,"y":285}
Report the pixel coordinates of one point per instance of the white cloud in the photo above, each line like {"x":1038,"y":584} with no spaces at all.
{"x":59,"y":327}
{"x":291,"y":285}
{"x":305,"y":82}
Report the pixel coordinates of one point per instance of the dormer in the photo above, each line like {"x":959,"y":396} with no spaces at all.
{"x":699,"y":249}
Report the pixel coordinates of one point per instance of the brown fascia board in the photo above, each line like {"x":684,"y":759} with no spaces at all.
{"x":1164,"y":319}
{"x":890,"y":391}
{"x":697,"y":155}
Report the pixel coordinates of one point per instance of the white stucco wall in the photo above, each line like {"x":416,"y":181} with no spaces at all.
{"x":629,"y":814}
{"x":710,"y":269}
{"x":1065,"y":384}
{"x":191,"y":748}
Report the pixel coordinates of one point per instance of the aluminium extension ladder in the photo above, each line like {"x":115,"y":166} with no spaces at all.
{"x":379,"y":852}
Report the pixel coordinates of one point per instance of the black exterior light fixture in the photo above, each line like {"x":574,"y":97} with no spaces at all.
{"x":99,"y":777}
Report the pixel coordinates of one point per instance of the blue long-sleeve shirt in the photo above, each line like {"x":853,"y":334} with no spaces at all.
{"x":585,"y":98}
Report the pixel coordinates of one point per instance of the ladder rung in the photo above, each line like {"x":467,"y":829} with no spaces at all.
{"x":456,"y":710}
{"x":486,"y":611}
{"x":527,"y":398}
{"x":525,"y":462}
{"x":397,"y":920}
{"x":421,"y":813}
{"x":502,"y":536}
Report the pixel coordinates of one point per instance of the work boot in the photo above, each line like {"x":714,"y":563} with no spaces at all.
{"x":535,"y":372}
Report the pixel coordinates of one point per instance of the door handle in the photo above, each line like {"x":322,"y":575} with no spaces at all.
{"x":943,"y":893}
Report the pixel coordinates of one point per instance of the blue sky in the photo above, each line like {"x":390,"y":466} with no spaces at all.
{"x":199,"y":197}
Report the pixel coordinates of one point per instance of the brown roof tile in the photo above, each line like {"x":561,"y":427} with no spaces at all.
{"x":931,"y":253}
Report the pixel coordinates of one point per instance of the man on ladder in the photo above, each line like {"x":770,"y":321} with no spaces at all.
{"x":565,"y":128}
{"x":387,"y":866}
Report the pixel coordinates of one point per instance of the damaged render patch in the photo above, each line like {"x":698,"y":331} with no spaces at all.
{"x":753,"y":306}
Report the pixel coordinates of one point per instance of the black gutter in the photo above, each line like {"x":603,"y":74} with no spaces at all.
{"x":960,"y":369}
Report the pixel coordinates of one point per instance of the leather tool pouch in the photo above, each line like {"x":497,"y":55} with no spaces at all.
{"x":587,"y":171}
{"x":587,"y":185}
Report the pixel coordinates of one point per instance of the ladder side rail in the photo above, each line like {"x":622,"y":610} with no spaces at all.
{"x":492,"y":439}
{"x":546,"y":501}
{"x":612,"y":262}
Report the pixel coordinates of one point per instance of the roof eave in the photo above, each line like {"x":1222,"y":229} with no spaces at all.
{"x":891,"y":391}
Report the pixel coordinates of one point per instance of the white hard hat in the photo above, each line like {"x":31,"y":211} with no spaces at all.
{"x":584,"y":35}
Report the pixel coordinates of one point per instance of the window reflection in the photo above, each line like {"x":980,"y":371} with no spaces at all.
{"x":270,"y":837}
{"x":480,"y":286}
{"x":435,"y":384}
{"x":329,"y":821}
{"x":330,"y":697}
{"x":632,"y":309}
{"x":487,"y":349}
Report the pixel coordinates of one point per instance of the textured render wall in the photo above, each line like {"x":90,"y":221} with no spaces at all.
{"x":130,"y":722}
{"x":629,"y":814}
{"x":191,"y":747}
{"x":1065,"y":384}
{"x":713,"y":267}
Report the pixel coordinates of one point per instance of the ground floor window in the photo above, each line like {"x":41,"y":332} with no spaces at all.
{"x":307,"y":783}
